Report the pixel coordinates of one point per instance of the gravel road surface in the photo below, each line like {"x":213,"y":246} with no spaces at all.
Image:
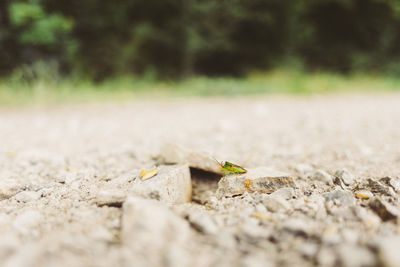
{"x":67,"y":173}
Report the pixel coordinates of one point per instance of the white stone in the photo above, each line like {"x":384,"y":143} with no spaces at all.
{"x":343,"y":196}
{"x":110,"y":197}
{"x":346,"y":176}
{"x":304,"y":169}
{"x":172,"y":184}
{"x":322,"y":176}
{"x":26,"y":196}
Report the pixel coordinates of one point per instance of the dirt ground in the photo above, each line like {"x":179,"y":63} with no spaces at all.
{"x":54,"y":161}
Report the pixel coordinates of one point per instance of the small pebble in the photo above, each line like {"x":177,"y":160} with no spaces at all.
{"x":346,"y":176}
{"x":343,"y":196}
{"x":322,"y":176}
{"x":26,"y":196}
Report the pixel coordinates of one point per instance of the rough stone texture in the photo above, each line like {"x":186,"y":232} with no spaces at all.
{"x":145,"y":218}
{"x":172,"y":184}
{"x":261,"y":180}
{"x":82,"y":160}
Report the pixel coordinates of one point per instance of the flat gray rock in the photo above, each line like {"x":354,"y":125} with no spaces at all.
{"x":261,"y":180}
{"x":172,"y":184}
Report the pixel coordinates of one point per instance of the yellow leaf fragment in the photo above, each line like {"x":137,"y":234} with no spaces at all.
{"x":149,"y":174}
{"x":262,"y":216}
{"x":363,"y":194}
{"x":71,"y":168}
{"x":142,"y":173}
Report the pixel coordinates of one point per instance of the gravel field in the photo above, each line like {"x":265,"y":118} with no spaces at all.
{"x":71,"y":192}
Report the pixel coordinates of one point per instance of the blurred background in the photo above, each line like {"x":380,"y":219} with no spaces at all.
{"x":91,"y":49}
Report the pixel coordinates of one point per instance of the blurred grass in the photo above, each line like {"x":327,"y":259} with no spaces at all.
{"x":15,"y":92}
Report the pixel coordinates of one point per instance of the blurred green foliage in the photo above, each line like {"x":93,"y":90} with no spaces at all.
{"x":47,"y":91}
{"x":37,"y":27}
{"x":179,"y":38}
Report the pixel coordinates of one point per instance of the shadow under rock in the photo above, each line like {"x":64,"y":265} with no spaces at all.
{"x":204,"y":183}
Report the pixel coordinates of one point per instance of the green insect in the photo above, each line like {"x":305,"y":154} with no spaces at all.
{"x":230,"y":168}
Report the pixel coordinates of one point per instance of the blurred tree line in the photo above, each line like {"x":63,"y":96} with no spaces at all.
{"x":177,"y":38}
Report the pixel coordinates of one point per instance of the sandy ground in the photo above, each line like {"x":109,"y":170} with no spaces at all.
{"x":54,"y":160}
